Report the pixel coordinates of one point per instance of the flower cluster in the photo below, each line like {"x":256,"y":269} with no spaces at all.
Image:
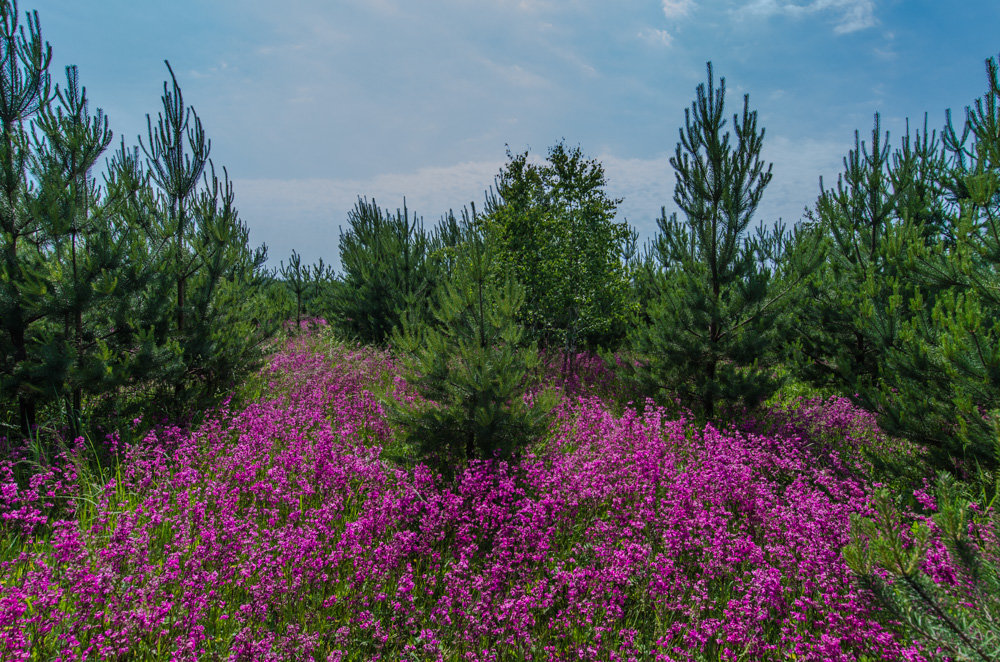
{"x":279,"y":532}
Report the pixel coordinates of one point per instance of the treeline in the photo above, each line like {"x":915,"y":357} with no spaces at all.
{"x":136,"y":292}
{"x":886,"y":291}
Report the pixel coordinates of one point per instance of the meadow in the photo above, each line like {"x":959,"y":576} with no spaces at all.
{"x":522,"y":435}
{"x":280,"y":529}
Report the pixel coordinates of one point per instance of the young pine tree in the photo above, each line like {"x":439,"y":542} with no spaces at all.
{"x":958,"y":617}
{"x":24,"y":79}
{"x":296,"y":277}
{"x":384,"y":259}
{"x":81,"y":242}
{"x":318,"y":290}
{"x":471,"y":367}
{"x":941,"y":380}
{"x":138,"y":315}
{"x":225,"y":338}
{"x":710,"y":329}
{"x":218,"y":279}
{"x":868,"y":219}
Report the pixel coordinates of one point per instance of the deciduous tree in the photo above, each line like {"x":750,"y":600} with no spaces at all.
{"x":554,"y":229}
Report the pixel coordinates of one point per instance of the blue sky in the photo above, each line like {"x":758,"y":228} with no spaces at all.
{"x":310,"y":103}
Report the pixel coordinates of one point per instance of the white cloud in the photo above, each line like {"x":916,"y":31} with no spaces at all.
{"x":852,"y":15}
{"x":677,"y":8}
{"x":656,"y":37}
{"x":217,"y":70}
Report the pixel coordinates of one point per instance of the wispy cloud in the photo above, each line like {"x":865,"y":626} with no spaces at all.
{"x":573,"y":58}
{"x":656,"y":37}
{"x":851,"y":15}
{"x":532,"y":6}
{"x":516,"y":75}
{"x":217,"y":70}
{"x":677,"y":8}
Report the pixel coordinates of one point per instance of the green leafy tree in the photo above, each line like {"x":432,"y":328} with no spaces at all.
{"x":471,"y":367}
{"x":553,"y":228}
{"x":711,"y":318}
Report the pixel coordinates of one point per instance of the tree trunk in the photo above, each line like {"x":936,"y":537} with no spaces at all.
{"x":25,"y":402}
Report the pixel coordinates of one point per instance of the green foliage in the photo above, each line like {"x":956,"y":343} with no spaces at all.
{"x":470,"y":366}
{"x":112,"y":297}
{"x":940,"y":380}
{"x":308,"y":285}
{"x":904,"y":313}
{"x":885,"y":205}
{"x":82,"y":246}
{"x":221,"y":338}
{"x":554,"y":231}
{"x":444,"y":246}
{"x":213,"y":331}
{"x":25,"y":81}
{"x":296,"y":277}
{"x":960,"y":618}
{"x":712,"y":310}
{"x":384,"y":260}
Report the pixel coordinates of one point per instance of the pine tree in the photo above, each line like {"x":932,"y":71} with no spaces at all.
{"x":318,"y":292}
{"x":471,"y":367}
{"x":960,"y":621}
{"x":140,"y":314}
{"x":384,"y":259}
{"x":710,"y":330}
{"x":177,"y":171}
{"x":942,"y":378}
{"x":219,"y":280}
{"x":118,"y":289}
{"x":296,"y":277}
{"x":79,"y":242}
{"x":881,"y":208}
{"x":24,"y":89}
{"x":308,"y":285}
{"x":444,"y":245}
